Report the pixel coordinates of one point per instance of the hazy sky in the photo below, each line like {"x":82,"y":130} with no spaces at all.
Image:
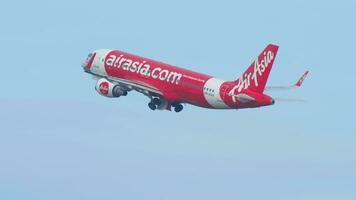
{"x":59,"y":139}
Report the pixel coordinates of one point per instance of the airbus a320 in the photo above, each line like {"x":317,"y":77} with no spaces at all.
{"x":169,"y":87}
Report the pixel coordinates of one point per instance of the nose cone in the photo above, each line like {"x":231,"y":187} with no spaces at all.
{"x":88,"y":62}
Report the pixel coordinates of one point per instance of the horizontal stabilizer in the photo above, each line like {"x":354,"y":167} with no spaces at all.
{"x":244,"y":98}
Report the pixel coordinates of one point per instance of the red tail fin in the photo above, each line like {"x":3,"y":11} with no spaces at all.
{"x":256,"y":76}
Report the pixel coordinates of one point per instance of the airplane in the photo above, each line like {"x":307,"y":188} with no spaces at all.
{"x":167,"y":86}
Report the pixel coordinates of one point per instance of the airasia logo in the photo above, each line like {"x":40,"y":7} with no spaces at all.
{"x":104,"y":88}
{"x":116,"y":60}
{"x":252,"y":77}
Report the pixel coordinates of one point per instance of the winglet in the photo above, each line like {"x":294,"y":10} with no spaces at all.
{"x":301,"y":80}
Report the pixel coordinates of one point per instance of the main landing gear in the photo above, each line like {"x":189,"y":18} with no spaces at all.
{"x":178,"y":107}
{"x":156,"y":103}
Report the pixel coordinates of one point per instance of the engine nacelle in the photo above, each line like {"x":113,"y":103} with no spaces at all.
{"x":108,"y":89}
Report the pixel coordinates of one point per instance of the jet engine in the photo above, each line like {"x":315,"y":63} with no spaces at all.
{"x":109,"y":89}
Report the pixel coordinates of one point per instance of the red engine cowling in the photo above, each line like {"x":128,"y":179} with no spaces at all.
{"x":109,"y":89}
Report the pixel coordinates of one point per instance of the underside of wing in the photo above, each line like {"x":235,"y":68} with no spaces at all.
{"x":141,"y":87}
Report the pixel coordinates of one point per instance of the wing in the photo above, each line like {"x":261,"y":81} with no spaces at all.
{"x":296,"y":85}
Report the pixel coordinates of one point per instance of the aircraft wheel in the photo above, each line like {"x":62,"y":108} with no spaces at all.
{"x":178,"y":108}
{"x":152,"y":106}
{"x":156,"y":101}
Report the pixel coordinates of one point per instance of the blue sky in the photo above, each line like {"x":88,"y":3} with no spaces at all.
{"x":59,"y":139}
